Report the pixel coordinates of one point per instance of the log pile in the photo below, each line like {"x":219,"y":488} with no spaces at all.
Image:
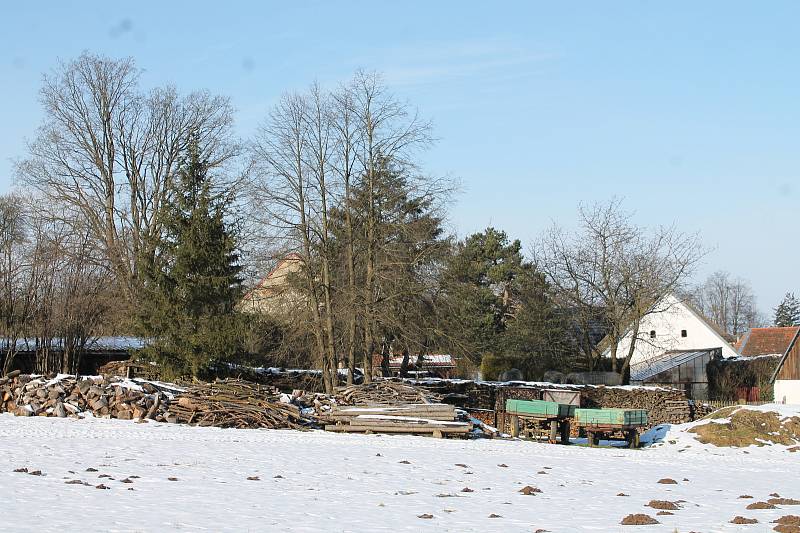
{"x":384,"y":393}
{"x":234,"y":403}
{"x":70,"y":396}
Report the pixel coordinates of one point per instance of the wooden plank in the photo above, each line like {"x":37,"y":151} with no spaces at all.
{"x":396,"y":429}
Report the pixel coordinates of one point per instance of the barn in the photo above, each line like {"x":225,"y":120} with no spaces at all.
{"x":786,"y":379}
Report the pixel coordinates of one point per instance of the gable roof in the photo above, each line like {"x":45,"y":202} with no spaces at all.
{"x":767,"y":341}
{"x":277,"y":276}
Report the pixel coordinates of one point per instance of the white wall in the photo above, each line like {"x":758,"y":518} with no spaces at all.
{"x":670,"y":318}
{"x":787,"y":391}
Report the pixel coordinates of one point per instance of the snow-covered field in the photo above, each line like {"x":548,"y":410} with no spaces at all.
{"x":196,"y":479}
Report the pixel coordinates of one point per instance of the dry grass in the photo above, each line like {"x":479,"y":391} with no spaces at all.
{"x":748,"y":428}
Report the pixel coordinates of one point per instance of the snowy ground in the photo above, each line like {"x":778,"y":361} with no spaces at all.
{"x":318,"y":481}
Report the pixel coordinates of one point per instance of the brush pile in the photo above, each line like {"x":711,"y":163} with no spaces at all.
{"x":234,"y":403}
{"x":384,"y":393}
{"x":68,"y":396}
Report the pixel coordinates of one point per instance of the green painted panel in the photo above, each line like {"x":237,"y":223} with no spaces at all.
{"x":539,"y":408}
{"x":616,"y":417}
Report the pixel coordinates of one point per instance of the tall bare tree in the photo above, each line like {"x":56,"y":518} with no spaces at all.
{"x":729,"y":302}
{"x":106,"y":151}
{"x":616,"y":270}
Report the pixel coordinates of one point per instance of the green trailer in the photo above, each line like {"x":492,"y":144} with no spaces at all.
{"x":551,"y":416}
{"x":603,"y":423}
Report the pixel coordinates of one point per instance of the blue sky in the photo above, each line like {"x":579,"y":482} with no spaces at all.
{"x":688,"y":110}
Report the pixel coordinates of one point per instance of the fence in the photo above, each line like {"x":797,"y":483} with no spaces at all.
{"x":719,"y":404}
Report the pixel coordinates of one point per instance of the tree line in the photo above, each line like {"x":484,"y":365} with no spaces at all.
{"x":141,"y":212}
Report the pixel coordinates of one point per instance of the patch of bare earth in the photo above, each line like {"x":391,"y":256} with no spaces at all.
{"x":743,"y":520}
{"x":785,"y":528}
{"x":761,"y":505}
{"x":788,"y":520}
{"x":784,"y":501}
{"x":667,"y":481}
{"x":747,"y":427}
{"x":639,"y":519}
{"x":664,"y":505}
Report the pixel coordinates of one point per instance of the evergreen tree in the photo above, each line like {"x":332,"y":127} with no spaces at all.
{"x":192,"y":277}
{"x":788,"y":311}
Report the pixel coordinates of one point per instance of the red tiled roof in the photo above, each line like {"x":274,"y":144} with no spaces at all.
{"x":765,"y":341}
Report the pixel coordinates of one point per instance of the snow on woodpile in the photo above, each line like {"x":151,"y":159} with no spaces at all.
{"x":70,"y":396}
{"x":772,"y":425}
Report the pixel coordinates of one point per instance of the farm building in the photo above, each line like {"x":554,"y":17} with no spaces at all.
{"x":781,"y":342}
{"x":274,"y":294}
{"x":435,"y":365}
{"x":94,"y":354}
{"x":684,"y":369}
{"x":675,"y":326}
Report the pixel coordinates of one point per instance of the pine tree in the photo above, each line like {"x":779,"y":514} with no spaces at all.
{"x":788,"y":311}
{"x":192,"y":277}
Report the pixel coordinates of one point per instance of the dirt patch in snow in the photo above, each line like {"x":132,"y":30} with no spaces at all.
{"x":788,"y":520}
{"x":639,"y":520}
{"x":784,"y":501}
{"x":761,"y":505}
{"x":743,"y":520}
{"x":740,"y":427}
{"x":664,"y":505}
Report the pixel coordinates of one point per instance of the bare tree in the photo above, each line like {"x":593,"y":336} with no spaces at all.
{"x":106,"y":152}
{"x":615,"y":270}
{"x":729,"y":302}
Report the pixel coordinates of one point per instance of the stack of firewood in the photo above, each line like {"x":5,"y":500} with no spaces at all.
{"x":236,"y":404}
{"x":63,"y":396}
{"x":384,"y":393}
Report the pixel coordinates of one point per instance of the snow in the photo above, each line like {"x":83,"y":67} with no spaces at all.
{"x":335,"y":482}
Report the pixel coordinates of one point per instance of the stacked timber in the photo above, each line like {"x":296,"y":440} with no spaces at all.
{"x":70,"y":396}
{"x":438,"y":420}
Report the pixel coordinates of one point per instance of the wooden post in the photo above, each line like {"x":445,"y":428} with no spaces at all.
{"x":553,"y":431}
{"x":565,"y":432}
{"x":514,"y":426}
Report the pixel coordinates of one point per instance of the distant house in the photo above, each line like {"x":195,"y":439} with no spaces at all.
{"x":674,"y":344}
{"x":780,"y":342}
{"x":274,"y":294}
{"x":435,"y":365}
{"x":674,"y":325}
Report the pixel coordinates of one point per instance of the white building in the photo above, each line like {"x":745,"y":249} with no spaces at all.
{"x":672,"y":326}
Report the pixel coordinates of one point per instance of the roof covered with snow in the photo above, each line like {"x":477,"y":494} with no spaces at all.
{"x":98,"y":344}
{"x":767,"y":341}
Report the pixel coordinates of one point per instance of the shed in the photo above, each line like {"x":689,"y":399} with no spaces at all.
{"x":682,"y":369}
{"x":786,"y":379}
{"x":782,"y":342}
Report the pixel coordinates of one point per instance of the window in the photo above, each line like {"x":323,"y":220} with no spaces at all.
{"x":683,"y":333}
{"x":652,"y":334}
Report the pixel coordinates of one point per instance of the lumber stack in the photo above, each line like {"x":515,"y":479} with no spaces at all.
{"x":437,"y":420}
{"x":69,"y":396}
{"x":234,"y":403}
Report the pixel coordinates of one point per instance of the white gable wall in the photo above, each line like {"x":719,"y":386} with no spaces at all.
{"x":787,"y":391}
{"x":671,"y":317}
